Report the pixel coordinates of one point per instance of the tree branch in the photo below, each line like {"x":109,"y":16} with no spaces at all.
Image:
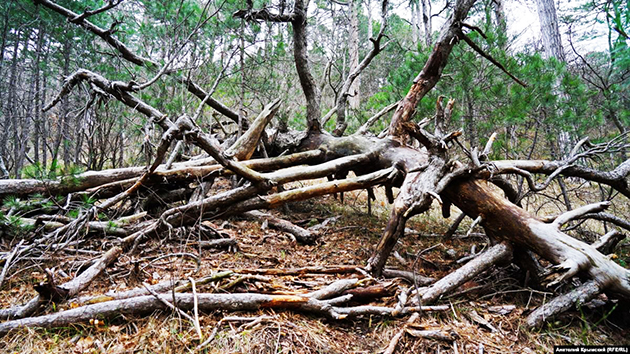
{"x":342,"y":96}
{"x":110,"y":5}
{"x":480,"y":51}
{"x":432,"y":70}
{"x":130,"y":56}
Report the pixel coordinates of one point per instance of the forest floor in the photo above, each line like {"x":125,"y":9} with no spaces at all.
{"x":348,"y":235}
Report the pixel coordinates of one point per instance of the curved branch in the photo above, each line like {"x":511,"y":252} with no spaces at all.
{"x":617,"y":178}
{"x":580,"y":212}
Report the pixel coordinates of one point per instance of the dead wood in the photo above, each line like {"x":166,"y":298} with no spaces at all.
{"x":206,"y":302}
{"x":102,"y":227}
{"x":244,"y":147}
{"x":69,"y":289}
{"x":494,"y":254}
{"x":434,"y":334}
{"x":503,"y":220}
{"x":432,"y":70}
{"x":344,"y":93}
{"x":424,"y":175}
{"x":300,"y":234}
{"x":130,"y":56}
{"x":607,"y":243}
{"x":391,"y":348}
{"x":617,"y":178}
{"x":334,"y":289}
{"x":412,"y":277}
{"x":560,"y":304}
{"x":84,"y":279}
{"x":219,"y":243}
{"x":369,"y":293}
{"x":163,"y":287}
{"x":340,"y":269}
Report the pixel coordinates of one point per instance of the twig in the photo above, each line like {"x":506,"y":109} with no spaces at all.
{"x":396,"y":338}
{"x":472,"y":226}
{"x":196,"y":308}
{"x":7,"y":263}
{"x":168,"y":304}
{"x":180,"y":254}
{"x":480,"y":51}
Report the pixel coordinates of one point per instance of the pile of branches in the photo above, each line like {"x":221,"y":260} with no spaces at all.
{"x":160,"y":199}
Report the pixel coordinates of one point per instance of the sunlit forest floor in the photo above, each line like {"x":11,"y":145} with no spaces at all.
{"x":499,"y":296}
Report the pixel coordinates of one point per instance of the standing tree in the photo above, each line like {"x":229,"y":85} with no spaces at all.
{"x":549,"y":27}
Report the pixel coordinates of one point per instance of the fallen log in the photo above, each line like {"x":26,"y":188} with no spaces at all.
{"x":494,"y":254}
{"x":503,"y":220}
{"x":206,"y":302}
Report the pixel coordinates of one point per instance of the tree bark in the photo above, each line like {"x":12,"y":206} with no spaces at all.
{"x":355,"y":93}
{"x":432,"y":70}
{"x":426,"y":21}
{"x":549,"y":28}
{"x":300,"y":55}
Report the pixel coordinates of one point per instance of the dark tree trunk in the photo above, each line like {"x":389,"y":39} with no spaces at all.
{"x":300,"y":54}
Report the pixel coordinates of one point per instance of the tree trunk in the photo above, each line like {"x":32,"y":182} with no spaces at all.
{"x":62,"y":116}
{"x":12,"y":114}
{"x":37,"y":114}
{"x":300,"y":54}
{"x":416,"y":16}
{"x":368,"y":6}
{"x":355,"y":94}
{"x":549,"y":28}
{"x":426,"y":20}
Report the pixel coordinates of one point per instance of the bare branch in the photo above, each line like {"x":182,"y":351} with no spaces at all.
{"x":481,"y":52}
{"x":110,"y":5}
{"x":562,"y":303}
{"x":580,"y":212}
{"x":432,"y":70}
{"x":607,"y":243}
{"x":264,"y":15}
{"x":617,"y":178}
{"x":342,"y":96}
{"x":364,"y":128}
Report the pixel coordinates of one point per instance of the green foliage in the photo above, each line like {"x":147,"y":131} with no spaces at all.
{"x":87,"y":200}
{"x":15,"y":225}
{"x":55,"y":170}
{"x":11,"y":202}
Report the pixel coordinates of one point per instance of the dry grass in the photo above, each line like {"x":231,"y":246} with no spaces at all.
{"x":347,"y":241}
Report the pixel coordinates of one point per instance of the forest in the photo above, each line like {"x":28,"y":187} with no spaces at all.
{"x":326,"y":176}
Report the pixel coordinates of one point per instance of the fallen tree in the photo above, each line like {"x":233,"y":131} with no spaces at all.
{"x":422,"y":174}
